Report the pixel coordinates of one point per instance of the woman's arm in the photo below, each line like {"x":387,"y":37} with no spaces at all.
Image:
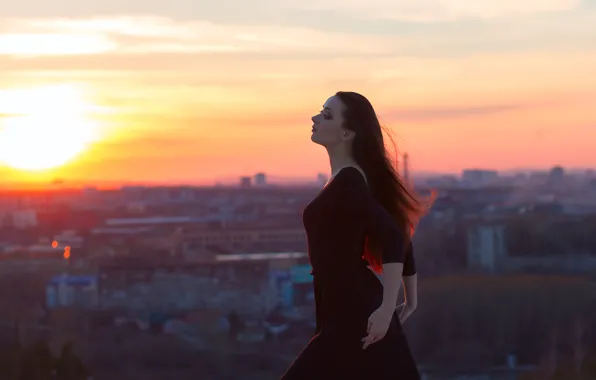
{"x":410,"y":281}
{"x":411,"y":297}
{"x":386,"y":236}
{"x":396,"y":252}
{"x":392,"y":279}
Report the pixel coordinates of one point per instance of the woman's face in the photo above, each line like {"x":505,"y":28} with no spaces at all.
{"x":327,"y":128}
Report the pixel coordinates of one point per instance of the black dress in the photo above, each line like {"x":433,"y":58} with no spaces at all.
{"x":337,"y":222}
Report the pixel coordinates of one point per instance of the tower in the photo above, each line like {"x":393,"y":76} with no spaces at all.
{"x":406,"y":169}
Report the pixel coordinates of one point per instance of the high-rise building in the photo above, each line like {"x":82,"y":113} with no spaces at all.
{"x":260,"y":179}
{"x":556,"y":175}
{"x":406,"y":169}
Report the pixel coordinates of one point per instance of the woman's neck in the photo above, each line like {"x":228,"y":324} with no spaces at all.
{"x":339,"y":158}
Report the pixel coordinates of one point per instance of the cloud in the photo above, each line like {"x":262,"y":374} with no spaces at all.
{"x":443,"y":113}
{"x":148,"y":34}
{"x":472,"y":109}
{"x":124,"y":40}
{"x":22,"y":44}
{"x":434,"y":10}
{"x":276,"y":11}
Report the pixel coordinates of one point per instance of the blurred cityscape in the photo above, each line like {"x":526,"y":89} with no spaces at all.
{"x":214,"y":282}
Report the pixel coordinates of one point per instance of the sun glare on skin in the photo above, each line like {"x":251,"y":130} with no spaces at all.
{"x":46,"y":127}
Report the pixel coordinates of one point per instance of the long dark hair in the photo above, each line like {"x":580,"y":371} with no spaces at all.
{"x":370,"y":153}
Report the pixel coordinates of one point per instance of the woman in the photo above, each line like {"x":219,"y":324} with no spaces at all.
{"x":359,"y":223}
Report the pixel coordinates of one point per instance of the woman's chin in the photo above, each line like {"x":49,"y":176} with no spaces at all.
{"x":314,"y":138}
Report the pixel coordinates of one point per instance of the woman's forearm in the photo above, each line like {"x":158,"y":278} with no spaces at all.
{"x":411,"y":290}
{"x":392,"y":279}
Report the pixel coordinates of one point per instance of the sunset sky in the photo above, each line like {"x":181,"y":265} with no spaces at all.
{"x":193,"y":91}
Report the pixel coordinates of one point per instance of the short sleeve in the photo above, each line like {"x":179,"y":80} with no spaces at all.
{"x":380,"y":226}
{"x":409,"y":261}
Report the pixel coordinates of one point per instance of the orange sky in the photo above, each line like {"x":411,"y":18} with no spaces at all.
{"x":198,"y":95}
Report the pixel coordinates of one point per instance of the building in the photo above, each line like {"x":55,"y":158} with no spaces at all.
{"x":72,"y":291}
{"x":479,"y":177}
{"x":260,"y":179}
{"x":245,"y":182}
{"x":69,"y":238}
{"x":486,"y":247}
{"x":242,"y":239}
{"x":26,"y":218}
{"x":227,"y":282}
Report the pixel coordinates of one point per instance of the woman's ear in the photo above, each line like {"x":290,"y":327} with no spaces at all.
{"x":348,"y":135}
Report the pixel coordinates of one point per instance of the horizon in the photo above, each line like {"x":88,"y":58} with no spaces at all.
{"x":179,"y":93}
{"x":234,"y":181}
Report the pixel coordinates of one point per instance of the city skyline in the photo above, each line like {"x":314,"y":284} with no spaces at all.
{"x":275,"y":180}
{"x":180,"y":93}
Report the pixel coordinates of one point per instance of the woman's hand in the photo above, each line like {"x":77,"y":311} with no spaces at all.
{"x":405,"y":310}
{"x":378,"y":324}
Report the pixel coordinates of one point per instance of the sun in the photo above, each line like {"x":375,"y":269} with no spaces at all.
{"x":44,"y":128}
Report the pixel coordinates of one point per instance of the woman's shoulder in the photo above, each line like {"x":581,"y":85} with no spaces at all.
{"x":351,"y":182}
{"x":353,"y":174}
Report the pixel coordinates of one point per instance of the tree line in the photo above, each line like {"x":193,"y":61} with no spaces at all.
{"x":467,"y":323}
{"x":36,"y":362}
